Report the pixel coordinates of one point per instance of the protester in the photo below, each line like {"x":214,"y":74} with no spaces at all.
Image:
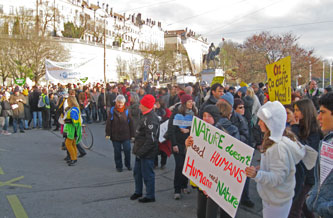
{"x":178,"y":134}
{"x":320,"y":198}
{"x":216,"y":92}
{"x":280,"y":153}
{"x":45,"y":110}
{"x":36,"y":111}
{"x":85,"y":101}
{"x":313,"y":93}
{"x":119,"y":128}
{"x":145,"y":149}
{"x":17,"y":102}
{"x":308,"y":132}
{"x":27,"y":112}
{"x":102,"y":114}
{"x":6,"y":112}
{"x":72,"y":128}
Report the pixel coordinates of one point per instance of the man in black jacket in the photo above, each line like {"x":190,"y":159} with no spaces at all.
{"x":216,"y":92}
{"x":145,"y":149}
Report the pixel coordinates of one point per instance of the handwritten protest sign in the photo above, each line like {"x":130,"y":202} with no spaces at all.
{"x":326,"y":161}
{"x":217,"y":79}
{"x":216,"y":163}
{"x":279,"y":80}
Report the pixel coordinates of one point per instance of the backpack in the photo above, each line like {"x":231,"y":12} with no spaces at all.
{"x":126,"y":111}
{"x":41,"y":102}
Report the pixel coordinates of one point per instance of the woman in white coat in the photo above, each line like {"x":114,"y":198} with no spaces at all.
{"x":280,"y":153}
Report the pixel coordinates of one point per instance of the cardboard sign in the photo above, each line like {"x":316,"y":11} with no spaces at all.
{"x":279,"y":80}
{"x":216,"y":163}
{"x":217,"y":79}
{"x":326,"y":161}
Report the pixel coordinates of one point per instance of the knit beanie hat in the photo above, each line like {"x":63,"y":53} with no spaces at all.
{"x":148,"y":101}
{"x":228,"y":98}
{"x":185,"y":98}
{"x":274,"y":116}
{"x":213,"y":111}
{"x":243,"y":89}
{"x":237,"y":102}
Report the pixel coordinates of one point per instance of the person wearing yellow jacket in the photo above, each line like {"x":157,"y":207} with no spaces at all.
{"x":72,"y":129}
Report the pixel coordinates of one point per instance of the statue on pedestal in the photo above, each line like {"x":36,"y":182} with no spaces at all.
{"x":211,"y":56}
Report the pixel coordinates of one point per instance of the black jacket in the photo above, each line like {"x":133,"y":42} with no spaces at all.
{"x":100,"y":101}
{"x":240,"y":122}
{"x":146,"y":136}
{"x":33,"y":100}
{"x":248,"y":104}
{"x":225,"y":124}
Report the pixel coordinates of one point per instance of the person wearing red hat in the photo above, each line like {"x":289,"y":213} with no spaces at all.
{"x":145,"y":149}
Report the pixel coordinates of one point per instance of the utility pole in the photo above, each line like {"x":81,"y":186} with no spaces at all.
{"x":104,"y":62}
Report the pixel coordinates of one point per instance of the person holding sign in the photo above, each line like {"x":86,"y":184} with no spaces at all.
{"x":207,"y":207}
{"x":179,"y":129}
{"x":320,"y":198}
{"x":280,"y":153}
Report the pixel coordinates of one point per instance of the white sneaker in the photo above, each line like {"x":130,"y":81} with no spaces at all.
{"x":177,"y":196}
{"x":6,"y":133}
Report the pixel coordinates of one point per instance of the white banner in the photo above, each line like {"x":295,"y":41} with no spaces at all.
{"x":67,"y":72}
{"x":216,"y":164}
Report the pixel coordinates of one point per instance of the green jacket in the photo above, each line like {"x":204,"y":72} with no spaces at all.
{"x":75,"y":126}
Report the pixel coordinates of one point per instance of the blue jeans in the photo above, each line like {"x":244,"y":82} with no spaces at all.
{"x":117,"y":153}
{"x":20,"y":121}
{"x":26,"y":124}
{"x":144,"y":172}
{"x":5,"y":127}
{"x":86,"y":115}
{"x":94,"y":111}
{"x":34,"y":115}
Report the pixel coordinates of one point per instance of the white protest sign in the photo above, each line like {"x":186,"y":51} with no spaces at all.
{"x":216,"y":163}
{"x":326,"y":161}
{"x":163,"y":130}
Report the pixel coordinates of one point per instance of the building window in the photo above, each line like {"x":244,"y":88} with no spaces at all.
{"x":21,"y":10}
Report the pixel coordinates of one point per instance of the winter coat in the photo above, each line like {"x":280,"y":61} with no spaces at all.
{"x":100,"y":101}
{"x":84,"y":99}
{"x":27,"y":111}
{"x":111,"y":99}
{"x":18,"y":113}
{"x":5,"y":109}
{"x":226,"y":124}
{"x":276,"y":177}
{"x":320,"y":198}
{"x":146,"y":136}
{"x":240,"y":122}
{"x":314,"y":97}
{"x":120,"y":128}
{"x":33,"y":101}
{"x":173,"y":100}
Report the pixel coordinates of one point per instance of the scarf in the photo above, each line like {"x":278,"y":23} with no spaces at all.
{"x":122,"y":109}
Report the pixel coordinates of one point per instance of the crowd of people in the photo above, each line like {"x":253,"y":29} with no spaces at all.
{"x":132,"y":115}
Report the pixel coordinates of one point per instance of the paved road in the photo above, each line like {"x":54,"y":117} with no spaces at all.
{"x":35,"y":180}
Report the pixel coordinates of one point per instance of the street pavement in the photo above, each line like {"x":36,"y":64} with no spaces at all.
{"x":36,"y":182}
